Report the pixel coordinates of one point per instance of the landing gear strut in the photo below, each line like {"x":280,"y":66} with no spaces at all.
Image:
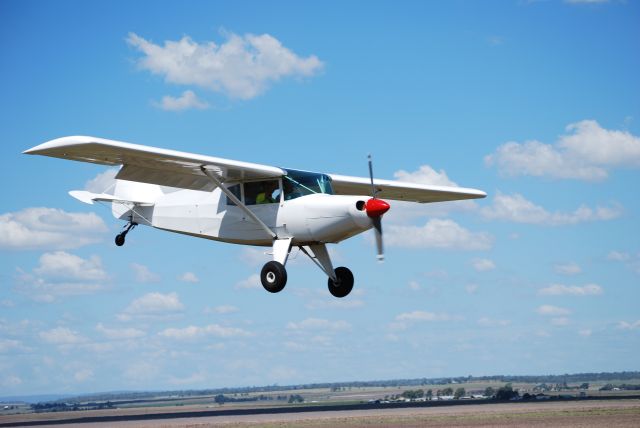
{"x":120,"y":236}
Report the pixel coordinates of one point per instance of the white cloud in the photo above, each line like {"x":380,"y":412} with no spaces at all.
{"x":222,"y":309}
{"x":60,"y":264}
{"x":61,"y":336}
{"x":193,"y":332}
{"x":437,"y":233}
{"x":143,"y":274}
{"x":103,"y":182}
{"x":8,"y":345}
{"x":483,"y":265}
{"x":568,"y":269}
{"x":254,"y":256}
{"x":618,"y":256}
{"x":83,"y":375}
{"x":572,"y":290}
{"x":252,"y":282}
{"x":425,"y":175}
{"x":634,"y":325}
{"x":49,"y":228}
{"x":471,"y":288}
{"x":489,"y":322}
{"x":62,"y":274}
{"x":11,"y":380}
{"x":516,"y":208}
{"x":631,"y":261}
{"x":402,"y":211}
{"x":242,"y":67}
{"x":319,"y":324}
{"x":423,"y":316}
{"x":586,"y":152}
{"x":560,"y":321}
{"x":189,"y":277}
{"x":152,"y":305}
{"x":120,"y":333}
{"x":585,"y":332}
{"x":552,"y":310}
{"x":197,"y":377}
{"x":188,"y":100}
{"x":414,"y":285}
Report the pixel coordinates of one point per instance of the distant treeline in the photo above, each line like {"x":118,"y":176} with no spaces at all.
{"x":565,"y":378}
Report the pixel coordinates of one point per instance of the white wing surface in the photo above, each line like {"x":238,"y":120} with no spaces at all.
{"x":402,"y":191}
{"x":153,"y":165}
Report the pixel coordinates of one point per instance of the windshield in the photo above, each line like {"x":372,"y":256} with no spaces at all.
{"x":301,"y":183}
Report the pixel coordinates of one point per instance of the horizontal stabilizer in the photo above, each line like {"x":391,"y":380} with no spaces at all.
{"x":90,"y":198}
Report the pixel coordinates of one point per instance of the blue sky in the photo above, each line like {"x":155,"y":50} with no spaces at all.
{"x":534,"y":102}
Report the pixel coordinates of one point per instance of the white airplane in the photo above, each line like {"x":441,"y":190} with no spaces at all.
{"x":244,"y":203}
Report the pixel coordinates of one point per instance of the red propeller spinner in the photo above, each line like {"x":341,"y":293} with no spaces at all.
{"x":376,"y":207}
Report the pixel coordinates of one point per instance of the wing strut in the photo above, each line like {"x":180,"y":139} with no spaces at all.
{"x":238,"y":203}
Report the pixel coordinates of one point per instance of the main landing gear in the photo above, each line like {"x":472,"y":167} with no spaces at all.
{"x":274,"y":275}
{"x":120,"y":236}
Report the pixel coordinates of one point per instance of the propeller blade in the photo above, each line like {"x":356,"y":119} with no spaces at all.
{"x":373,"y":189}
{"x":377,"y":225}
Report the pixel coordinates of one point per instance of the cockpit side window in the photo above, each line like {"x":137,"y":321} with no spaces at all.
{"x":235,"y":189}
{"x":262,"y":192}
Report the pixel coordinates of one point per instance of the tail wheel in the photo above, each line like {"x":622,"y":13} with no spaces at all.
{"x":344,"y":284}
{"x":273,"y":276}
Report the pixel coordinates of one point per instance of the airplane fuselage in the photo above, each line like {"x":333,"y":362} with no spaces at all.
{"x":316,"y":218}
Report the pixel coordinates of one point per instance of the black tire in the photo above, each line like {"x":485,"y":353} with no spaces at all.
{"x":344,"y":285}
{"x":120,"y":240}
{"x":273,"y":276}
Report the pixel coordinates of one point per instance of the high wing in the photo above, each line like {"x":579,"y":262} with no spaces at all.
{"x":153,"y":165}
{"x":402,"y":191}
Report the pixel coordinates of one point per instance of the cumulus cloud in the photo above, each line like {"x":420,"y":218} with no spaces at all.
{"x":425,"y":174}
{"x":406,"y":319}
{"x":634,"y":325}
{"x":242,"y":67}
{"x":61,"y":336}
{"x":60,"y":264}
{"x":552,"y":310}
{"x":189,"y":277}
{"x":483,"y":265}
{"x":568,"y":269}
{"x":560,"y":321}
{"x":222,"y":309}
{"x":571,"y":290}
{"x":437,"y":233}
{"x":516,"y":208}
{"x":120,"y":333}
{"x":188,"y":100}
{"x":252,"y":282}
{"x":193,"y":332}
{"x":630,"y":260}
{"x":49,"y":228}
{"x":103,"y":182}
{"x":319,"y":324}
{"x":153,"y":305}
{"x":143,"y":274}
{"x":423,"y":316}
{"x":490,"y":322}
{"x":586,"y":152}
{"x":61,"y":274}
